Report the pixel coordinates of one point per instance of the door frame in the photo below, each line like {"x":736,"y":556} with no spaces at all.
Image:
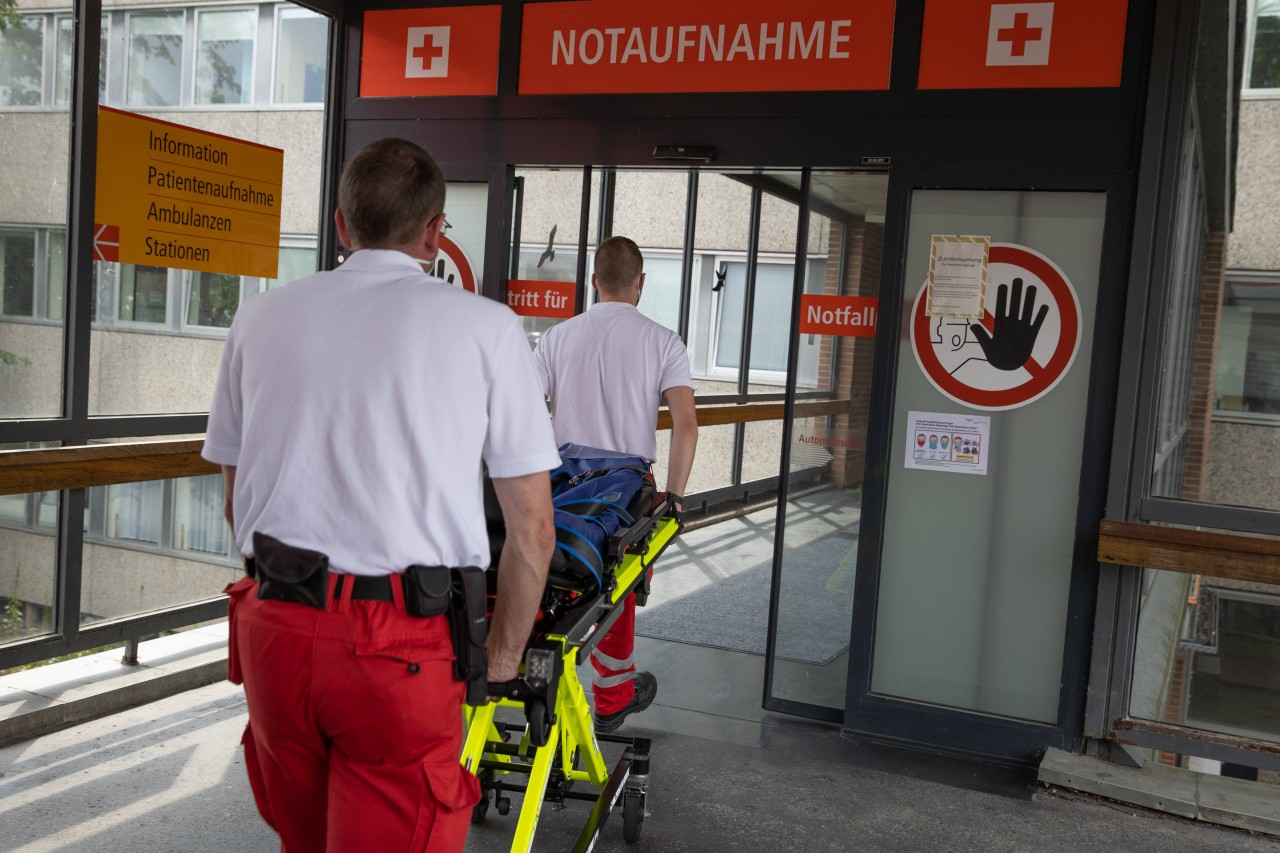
{"x":989,"y":737}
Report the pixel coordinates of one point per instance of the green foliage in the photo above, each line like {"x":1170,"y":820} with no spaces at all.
{"x":8,"y":14}
{"x":7,"y":357}
{"x":11,"y":621}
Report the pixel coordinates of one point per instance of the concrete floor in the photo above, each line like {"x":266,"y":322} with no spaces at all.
{"x":726,"y":776}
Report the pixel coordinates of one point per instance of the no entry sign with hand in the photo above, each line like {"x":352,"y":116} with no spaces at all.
{"x":1024,"y":344}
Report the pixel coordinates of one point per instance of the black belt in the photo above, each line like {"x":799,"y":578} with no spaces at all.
{"x":364,"y":588}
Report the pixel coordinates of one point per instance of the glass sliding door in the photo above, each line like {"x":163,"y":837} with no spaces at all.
{"x":976,"y":562}
{"x":819,"y":523}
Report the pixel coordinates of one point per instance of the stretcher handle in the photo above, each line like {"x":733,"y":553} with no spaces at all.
{"x":622,"y":540}
{"x":542,"y":667}
{"x":536,"y":690}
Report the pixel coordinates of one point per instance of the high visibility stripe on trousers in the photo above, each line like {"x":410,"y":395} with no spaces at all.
{"x":614,"y":671}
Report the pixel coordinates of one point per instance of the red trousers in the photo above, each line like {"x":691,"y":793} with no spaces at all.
{"x":355,"y":724}
{"x":615,"y":671}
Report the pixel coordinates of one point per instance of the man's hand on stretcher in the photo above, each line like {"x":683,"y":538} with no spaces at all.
{"x":522,"y":573}
{"x":677,"y":504}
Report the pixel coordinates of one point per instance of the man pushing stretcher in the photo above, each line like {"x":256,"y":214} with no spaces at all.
{"x":606,"y":372}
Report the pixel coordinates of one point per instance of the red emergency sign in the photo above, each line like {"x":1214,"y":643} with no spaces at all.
{"x":450,"y":50}
{"x":980,"y":44}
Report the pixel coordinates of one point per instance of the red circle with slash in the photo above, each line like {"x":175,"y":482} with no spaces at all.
{"x":457,"y":264}
{"x":1041,"y":375}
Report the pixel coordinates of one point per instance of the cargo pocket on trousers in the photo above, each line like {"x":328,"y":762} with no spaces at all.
{"x":235,"y":592}
{"x":445,"y":814}
{"x":254,"y":769}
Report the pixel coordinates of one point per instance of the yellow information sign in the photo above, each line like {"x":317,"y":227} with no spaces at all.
{"x":174,"y":196}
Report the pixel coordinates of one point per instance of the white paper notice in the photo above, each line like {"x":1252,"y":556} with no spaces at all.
{"x":957,"y":276}
{"x":944,"y":442}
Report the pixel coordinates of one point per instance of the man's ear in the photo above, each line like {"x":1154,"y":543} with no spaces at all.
{"x":594,"y":286}
{"x":428,"y":243}
{"x":341,"y":221}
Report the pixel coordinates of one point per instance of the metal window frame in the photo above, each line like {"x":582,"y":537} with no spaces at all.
{"x":1111,"y":671}
{"x":76,"y":425}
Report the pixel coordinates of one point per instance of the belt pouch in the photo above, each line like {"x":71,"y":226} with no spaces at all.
{"x":426,"y":590}
{"x":470,"y":622}
{"x":286,"y":573}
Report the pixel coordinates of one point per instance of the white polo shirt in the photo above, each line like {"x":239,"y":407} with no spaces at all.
{"x":357,"y":405}
{"x":605,"y":371}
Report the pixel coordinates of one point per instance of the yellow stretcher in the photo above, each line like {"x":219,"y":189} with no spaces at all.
{"x":556,"y":748}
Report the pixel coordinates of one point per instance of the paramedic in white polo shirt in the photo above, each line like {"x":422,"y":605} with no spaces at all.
{"x":606,"y":372}
{"x":352,"y":414}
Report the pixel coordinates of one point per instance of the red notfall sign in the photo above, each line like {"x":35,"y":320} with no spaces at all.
{"x":615,"y":46}
{"x":541,"y":298}
{"x":847,"y":316}
{"x":450,"y":50}
{"x":978,"y":44}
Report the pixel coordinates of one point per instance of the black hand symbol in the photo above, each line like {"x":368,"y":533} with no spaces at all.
{"x":1009,"y":345}
{"x":438,"y":272}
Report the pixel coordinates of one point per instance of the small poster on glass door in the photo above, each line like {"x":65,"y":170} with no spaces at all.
{"x":957,"y":275}
{"x":944,"y":442}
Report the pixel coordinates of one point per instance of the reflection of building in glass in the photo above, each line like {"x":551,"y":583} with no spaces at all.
{"x":255,"y":72}
{"x":1208,"y":653}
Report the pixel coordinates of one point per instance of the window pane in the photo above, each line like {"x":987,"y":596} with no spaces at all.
{"x":56,"y":278}
{"x":27,"y":564}
{"x":47,"y":509}
{"x":33,"y":207}
{"x":199,"y":524}
{"x":13,"y":508}
{"x":62,"y":69}
{"x":224,"y":57}
{"x":660,"y":301}
{"x":549,"y":224}
{"x":134,"y":511}
{"x":144,"y":293}
{"x":772,"y":316}
{"x":295,"y":263}
{"x":649,"y":207}
{"x":62,"y":88}
{"x":1264,"y":70}
{"x":155,"y":59}
{"x":18,"y":272}
{"x":1248,"y":367}
{"x":1208,"y":654}
{"x":1176,"y":467}
{"x":151,"y":350}
{"x":302,"y":46}
{"x":151,"y":545}
{"x":214,"y":299}
{"x":21,"y":62}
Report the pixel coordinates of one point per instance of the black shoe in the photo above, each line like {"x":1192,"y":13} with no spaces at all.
{"x":646,"y":691}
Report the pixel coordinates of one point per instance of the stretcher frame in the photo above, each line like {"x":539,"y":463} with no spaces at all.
{"x":558,"y":747}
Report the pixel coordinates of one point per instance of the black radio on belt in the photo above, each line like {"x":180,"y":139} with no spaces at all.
{"x":461,"y":593}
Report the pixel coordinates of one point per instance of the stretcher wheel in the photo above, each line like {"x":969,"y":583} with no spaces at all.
{"x":539,"y":722}
{"x":480,"y":810}
{"x":632,"y":816}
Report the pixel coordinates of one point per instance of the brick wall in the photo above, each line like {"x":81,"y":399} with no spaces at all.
{"x":851,"y":358}
{"x":1204,"y":366}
